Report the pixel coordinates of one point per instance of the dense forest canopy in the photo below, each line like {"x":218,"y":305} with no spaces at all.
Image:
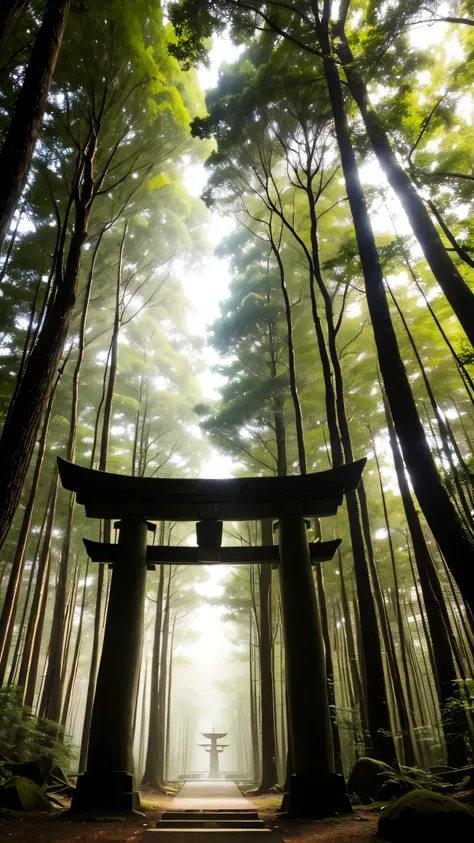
{"x":337,"y":143}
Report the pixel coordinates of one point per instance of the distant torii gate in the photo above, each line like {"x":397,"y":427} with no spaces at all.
{"x":107,"y":784}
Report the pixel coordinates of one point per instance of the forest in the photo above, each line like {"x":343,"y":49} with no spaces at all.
{"x":235,"y":241}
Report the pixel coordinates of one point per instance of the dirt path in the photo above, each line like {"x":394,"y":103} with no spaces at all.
{"x":38,"y":828}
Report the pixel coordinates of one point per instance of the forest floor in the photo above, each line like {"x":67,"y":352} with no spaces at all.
{"x":40,"y":828}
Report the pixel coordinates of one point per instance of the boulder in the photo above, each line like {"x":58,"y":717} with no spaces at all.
{"x":425,"y":815}
{"x":394,"y":789}
{"x":37,"y":770}
{"x":367,"y":777}
{"x":21,"y":794}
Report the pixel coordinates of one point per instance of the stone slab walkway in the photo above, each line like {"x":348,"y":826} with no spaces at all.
{"x":205,"y":811}
{"x":210,"y":796}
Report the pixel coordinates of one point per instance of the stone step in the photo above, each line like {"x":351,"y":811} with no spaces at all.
{"x":203,"y":835}
{"x":205,"y":822}
{"x":211,"y":816}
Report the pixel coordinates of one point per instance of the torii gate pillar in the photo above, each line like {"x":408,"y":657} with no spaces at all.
{"x":315,"y":789}
{"x":107,"y":780}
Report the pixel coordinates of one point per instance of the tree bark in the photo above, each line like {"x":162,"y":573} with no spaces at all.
{"x":20,"y":140}
{"x":269,"y":767}
{"x":10,"y":603}
{"x":75,"y":656}
{"x":38,"y":609}
{"x":150,"y":775}
{"x":53,"y":690}
{"x":329,"y":669}
{"x":10,"y":13}
{"x":449,"y":279}
{"x":456,"y":544}
{"x":162,"y":685}
{"x":442,"y":653}
{"x":24,"y":414}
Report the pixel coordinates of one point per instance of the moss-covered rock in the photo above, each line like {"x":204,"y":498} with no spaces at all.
{"x":425,"y":815}
{"x":367,"y":777}
{"x":395,"y":788}
{"x":21,"y":794}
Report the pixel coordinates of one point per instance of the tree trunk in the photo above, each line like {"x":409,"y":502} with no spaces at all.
{"x":20,"y":140}
{"x":32,"y":648}
{"x":150,"y":775}
{"x":168,"y":705}
{"x":329,"y":669}
{"x":25,"y":411}
{"x":10,"y":12}
{"x":162,"y":685}
{"x":280,"y":434}
{"x":449,"y":279}
{"x":269,"y":768}
{"x":456,"y":544}
{"x":291,"y":360}
{"x":255,"y":773}
{"x":7,"y":620}
{"x":55,"y":674}
{"x":75,"y":656}
{"x":407,"y":742}
{"x":94,"y":667}
{"x":341,"y":449}
{"x":442,"y":653}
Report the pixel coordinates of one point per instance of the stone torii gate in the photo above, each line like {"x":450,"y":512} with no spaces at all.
{"x":107,"y":785}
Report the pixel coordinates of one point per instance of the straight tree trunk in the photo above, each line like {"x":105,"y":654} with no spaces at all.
{"x":32,"y":648}
{"x":442,"y":653}
{"x":108,"y":395}
{"x":456,"y":543}
{"x":150,"y":775}
{"x":55,"y":674}
{"x":457,"y":292}
{"x":75,"y":656}
{"x":26,"y":652}
{"x":168,"y":705}
{"x":269,"y":767}
{"x":10,"y":13}
{"x":253,"y":708}
{"x":378,"y":718}
{"x":94,"y":667}
{"x":162,"y":685}
{"x":329,"y":669}
{"x":18,"y":147}
{"x":407,"y":742}
{"x":7,"y":619}
{"x":25,"y":411}
{"x":291,"y":359}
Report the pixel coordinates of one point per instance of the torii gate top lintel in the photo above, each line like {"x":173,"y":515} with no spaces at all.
{"x":107,"y":495}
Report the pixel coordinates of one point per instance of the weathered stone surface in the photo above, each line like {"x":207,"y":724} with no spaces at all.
{"x":425,"y":815}
{"x":394,"y":789}
{"x":367,"y":777}
{"x":37,"y":770}
{"x":21,"y":794}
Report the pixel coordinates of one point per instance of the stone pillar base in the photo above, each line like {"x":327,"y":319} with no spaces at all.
{"x":312,"y":796}
{"x":105,"y":792}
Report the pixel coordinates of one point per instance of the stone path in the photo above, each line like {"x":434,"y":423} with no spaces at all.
{"x":208,"y":810}
{"x":210,"y":796}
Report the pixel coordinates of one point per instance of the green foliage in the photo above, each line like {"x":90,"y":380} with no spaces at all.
{"x":458,"y":712}
{"x":24,"y":737}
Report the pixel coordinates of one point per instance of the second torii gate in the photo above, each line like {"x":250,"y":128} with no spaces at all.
{"x":107,"y":785}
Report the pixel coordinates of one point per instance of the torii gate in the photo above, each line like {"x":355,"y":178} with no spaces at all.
{"x":107,"y":785}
